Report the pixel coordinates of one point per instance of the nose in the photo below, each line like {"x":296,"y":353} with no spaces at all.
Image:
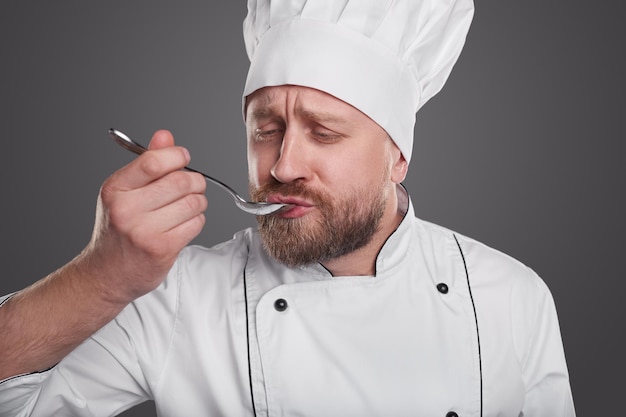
{"x":292,"y":164}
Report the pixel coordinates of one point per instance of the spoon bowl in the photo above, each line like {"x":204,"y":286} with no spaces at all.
{"x":257,"y":208}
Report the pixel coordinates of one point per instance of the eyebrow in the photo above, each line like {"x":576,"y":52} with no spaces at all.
{"x":264,"y":110}
{"x":267,"y":112}
{"x":320,"y":116}
{"x":262,"y":113}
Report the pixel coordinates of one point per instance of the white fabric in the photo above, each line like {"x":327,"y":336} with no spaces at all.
{"x":390,"y":345}
{"x":384,"y":57}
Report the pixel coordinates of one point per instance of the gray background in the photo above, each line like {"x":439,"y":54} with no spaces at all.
{"x":522,"y":149}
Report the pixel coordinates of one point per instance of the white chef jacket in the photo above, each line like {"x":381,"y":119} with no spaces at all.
{"x":447,"y":327}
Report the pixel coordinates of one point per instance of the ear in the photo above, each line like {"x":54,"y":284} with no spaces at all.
{"x":399,"y":167}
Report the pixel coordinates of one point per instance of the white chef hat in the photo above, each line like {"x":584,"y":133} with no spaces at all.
{"x":384,"y":57}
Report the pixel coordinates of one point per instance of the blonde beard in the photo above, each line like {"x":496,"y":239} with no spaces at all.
{"x":340,"y":226}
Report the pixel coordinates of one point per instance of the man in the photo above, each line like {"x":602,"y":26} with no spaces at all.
{"x":346,"y":304}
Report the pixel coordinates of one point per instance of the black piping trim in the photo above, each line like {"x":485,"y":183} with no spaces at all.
{"x":245,"y":296}
{"x":27,"y":374}
{"x":406,"y":195}
{"x":480,"y":359}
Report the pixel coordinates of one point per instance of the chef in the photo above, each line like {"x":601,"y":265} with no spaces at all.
{"x":346,"y":304}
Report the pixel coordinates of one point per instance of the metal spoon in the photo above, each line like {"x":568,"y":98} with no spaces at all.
{"x":258,"y":208}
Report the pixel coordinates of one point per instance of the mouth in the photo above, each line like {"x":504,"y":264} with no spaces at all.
{"x":298,"y":206}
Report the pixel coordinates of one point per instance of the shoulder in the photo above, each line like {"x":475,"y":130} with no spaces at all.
{"x":485,"y":267}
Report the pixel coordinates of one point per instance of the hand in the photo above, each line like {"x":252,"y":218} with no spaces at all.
{"x":147,"y":212}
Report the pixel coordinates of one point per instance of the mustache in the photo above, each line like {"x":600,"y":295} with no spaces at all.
{"x":295,"y":189}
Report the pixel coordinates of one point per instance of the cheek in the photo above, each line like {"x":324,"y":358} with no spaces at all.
{"x":259,"y":166}
{"x":253,"y":165}
{"x":370,"y":164}
{"x":345,"y":171}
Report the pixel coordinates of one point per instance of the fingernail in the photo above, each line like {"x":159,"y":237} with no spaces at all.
{"x":187,"y":155}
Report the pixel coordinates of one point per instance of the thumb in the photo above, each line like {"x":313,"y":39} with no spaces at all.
{"x":161,"y":139}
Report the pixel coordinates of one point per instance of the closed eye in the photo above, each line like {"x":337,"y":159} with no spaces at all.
{"x":267,"y":135}
{"x":323,"y":134}
{"x":326,"y":136}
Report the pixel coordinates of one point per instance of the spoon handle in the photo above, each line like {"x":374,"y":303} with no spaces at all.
{"x":258,"y":208}
{"x":135,"y":147}
{"x":125,"y":142}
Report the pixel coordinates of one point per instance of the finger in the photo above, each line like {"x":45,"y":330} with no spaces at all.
{"x":149,"y":167}
{"x":185,"y":232}
{"x":164,"y":232}
{"x":168,"y":189}
{"x":161,"y":139}
{"x":170,"y":217}
{"x":152,"y":165}
{"x":137,"y":212}
{"x":174,"y":240}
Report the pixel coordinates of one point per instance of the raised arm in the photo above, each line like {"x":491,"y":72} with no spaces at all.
{"x":147,"y":212}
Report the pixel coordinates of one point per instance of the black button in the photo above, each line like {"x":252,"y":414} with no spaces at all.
{"x":280,"y":304}
{"x":443,"y":288}
{"x":451,"y":413}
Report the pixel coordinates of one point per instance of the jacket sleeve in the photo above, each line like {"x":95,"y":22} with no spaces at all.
{"x":88,"y":382}
{"x":115,"y":369}
{"x":544,"y":369}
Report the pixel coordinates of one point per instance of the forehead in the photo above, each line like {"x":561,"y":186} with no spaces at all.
{"x":269,"y":101}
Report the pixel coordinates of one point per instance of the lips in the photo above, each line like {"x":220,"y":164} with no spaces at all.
{"x":300,"y":206}
{"x":296,"y":201}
